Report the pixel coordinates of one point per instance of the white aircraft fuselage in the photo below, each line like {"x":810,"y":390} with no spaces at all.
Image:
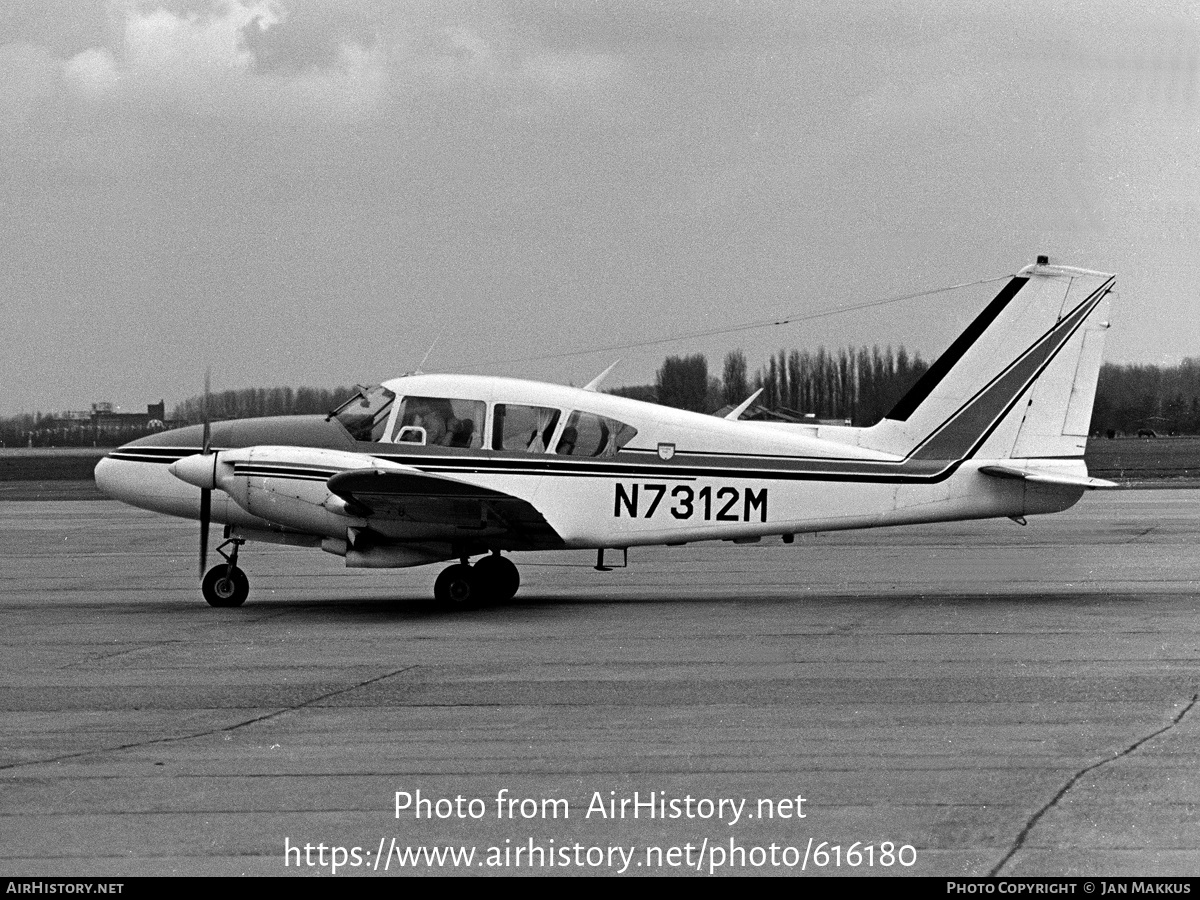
{"x":425,"y":468}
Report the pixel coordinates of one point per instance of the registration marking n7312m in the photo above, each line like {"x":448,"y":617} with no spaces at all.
{"x":709,"y":503}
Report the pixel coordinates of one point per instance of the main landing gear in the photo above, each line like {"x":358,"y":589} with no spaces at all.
{"x":493,"y":579}
{"x":225,"y":584}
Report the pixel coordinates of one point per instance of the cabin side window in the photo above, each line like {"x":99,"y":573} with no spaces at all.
{"x":526,"y":428}
{"x":440,"y":422}
{"x":587,"y":434}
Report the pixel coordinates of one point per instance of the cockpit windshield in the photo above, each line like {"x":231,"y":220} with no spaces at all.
{"x":365,"y":414}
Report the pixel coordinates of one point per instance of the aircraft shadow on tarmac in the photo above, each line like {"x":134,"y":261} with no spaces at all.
{"x":418,"y":608}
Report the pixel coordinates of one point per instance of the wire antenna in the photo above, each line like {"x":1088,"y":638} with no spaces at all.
{"x":789,"y":319}
{"x":421,"y":364}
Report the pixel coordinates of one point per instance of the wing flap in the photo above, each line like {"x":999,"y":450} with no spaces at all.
{"x":438,"y":502}
{"x":357,"y":483}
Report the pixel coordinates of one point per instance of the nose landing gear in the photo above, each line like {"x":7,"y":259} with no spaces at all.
{"x":226,"y":584}
{"x":493,"y":579}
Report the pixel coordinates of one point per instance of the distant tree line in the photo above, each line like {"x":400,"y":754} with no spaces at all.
{"x":858,"y":384}
{"x":42,"y":430}
{"x":863,"y":385}
{"x":33,"y":429}
{"x":1164,"y":399}
{"x":48,"y":430}
{"x":254,"y":403}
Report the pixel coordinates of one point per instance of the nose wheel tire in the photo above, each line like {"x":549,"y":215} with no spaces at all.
{"x":224,"y":585}
{"x":498,"y":577}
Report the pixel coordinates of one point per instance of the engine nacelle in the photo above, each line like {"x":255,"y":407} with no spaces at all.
{"x":396,"y":557}
{"x":361,"y":551}
{"x":287,"y":485}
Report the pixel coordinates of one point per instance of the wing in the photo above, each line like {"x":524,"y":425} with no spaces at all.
{"x":408,"y":505}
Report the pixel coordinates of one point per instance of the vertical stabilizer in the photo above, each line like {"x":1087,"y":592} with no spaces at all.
{"x":1018,"y":382}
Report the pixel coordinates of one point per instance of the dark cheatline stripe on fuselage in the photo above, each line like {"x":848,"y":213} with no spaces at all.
{"x":151,"y":456}
{"x":782,"y":468}
{"x":941,"y":368}
{"x":283,"y":471}
{"x":158,"y":451}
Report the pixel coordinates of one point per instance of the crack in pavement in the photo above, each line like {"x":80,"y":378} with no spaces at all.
{"x":210,"y":731}
{"x":147,"y":645}
{"x":1137,"y":537}
{"x":1036,"y":817}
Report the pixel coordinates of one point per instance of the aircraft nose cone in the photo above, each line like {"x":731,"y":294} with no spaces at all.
{"x":197,"y":469}
{"x":105,"y":476}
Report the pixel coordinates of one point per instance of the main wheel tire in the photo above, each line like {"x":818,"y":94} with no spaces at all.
{"x":223,"y":586}
{"x":498,"y":577}
{"x":457,"y":587}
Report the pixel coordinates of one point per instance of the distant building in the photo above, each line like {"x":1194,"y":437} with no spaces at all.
{"x":104,"y":418}
{"x":100,"y":426}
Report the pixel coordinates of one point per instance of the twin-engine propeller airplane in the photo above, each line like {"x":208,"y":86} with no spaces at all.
{"x":427,"y":468}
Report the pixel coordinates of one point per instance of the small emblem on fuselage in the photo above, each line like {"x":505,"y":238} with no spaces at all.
{"x":666,"y":451}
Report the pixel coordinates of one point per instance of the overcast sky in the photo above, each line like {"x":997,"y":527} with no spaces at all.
{"x":311,"y":191}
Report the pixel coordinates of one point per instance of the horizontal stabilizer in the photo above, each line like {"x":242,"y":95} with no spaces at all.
{"x":1037,"y":476}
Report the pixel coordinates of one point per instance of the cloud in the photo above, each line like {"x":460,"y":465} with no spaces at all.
{"x":201,"y":61}
{"x":93,"y":72}
{"x":302,"y":60}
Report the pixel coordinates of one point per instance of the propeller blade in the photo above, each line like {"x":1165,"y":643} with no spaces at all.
{"x":207,"y":447}
{"x":205,"y":493}
{"x":205,"y":515}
